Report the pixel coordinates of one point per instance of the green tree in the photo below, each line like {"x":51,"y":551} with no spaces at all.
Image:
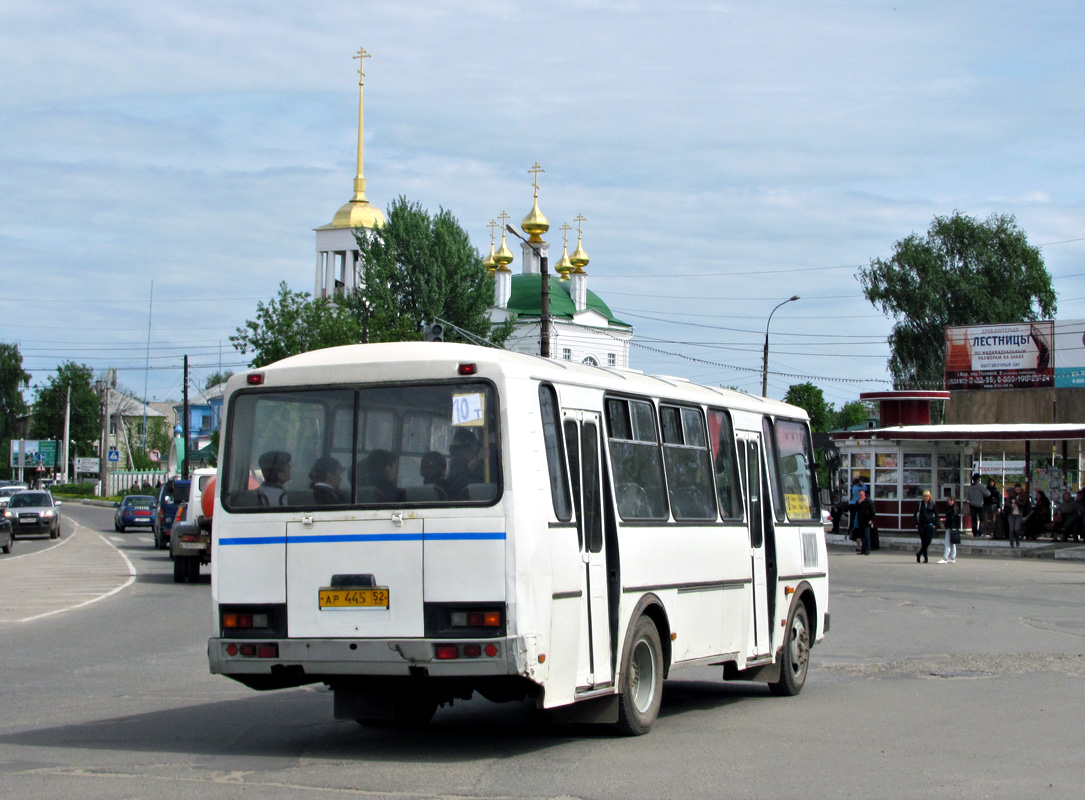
{"x":294,"y":323}
{"x":810,"y":397}
{"x":50,"y":401}
{"x":963,"y":272}
{"x":13,"y":380}
{"x":419,"y":268}
{"x":850,"y":414}
{"x":215,"y":378}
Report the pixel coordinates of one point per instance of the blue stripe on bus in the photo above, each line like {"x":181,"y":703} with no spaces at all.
{"x":365,"y":537}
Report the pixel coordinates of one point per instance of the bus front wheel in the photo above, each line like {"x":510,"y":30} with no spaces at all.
{"x":642,"y":680}
{"x":796,"y":657}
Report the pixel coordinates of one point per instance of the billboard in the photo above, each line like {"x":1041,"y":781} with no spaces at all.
{"x":32,"y":452}
{"x":1012,"y":356}
{"x":1070,"y":354}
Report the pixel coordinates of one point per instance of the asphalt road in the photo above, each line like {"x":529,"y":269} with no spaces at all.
{"x":936,"y":681}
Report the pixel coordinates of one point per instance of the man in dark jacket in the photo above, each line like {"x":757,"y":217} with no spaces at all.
{"x":864,"y":512}
{"x":977,"y":493}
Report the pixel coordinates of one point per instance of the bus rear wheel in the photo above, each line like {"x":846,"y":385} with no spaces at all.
{"x":796,"y":657}
{"x":642,"y":680}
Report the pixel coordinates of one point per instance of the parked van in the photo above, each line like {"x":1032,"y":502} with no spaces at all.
{"x":170,"y":496}
{"x":190,"y":539}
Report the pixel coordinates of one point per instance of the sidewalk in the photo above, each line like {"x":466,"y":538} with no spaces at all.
{"x":970,"y":546}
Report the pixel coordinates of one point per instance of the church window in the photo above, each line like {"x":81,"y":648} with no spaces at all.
{"x":567,"y":353}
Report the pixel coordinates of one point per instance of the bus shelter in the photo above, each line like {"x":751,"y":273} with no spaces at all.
{"x":900,"y":463}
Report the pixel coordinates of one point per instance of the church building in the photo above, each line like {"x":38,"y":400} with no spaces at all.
{"x":581,"y":326}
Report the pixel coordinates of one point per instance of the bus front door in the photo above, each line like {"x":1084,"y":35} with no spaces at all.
{"x":582,"y":442}
{"x":750,"y":455}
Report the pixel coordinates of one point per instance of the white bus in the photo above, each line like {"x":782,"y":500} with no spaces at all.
{"x":411,"y":523}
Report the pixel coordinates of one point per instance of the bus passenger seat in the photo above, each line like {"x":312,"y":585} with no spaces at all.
{"x":481,"y":491}
{"x":246,"y":498}
{"x":421,"y":494}
{"x":299,"y":497}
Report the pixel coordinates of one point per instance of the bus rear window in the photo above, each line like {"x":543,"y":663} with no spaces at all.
{"x":421,"y":444}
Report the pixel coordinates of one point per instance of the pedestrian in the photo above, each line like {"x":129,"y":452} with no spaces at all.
{"x":864,"y":511}
{"x":1067,"y":516}
{"x":991,"y":506}
{"x":1017,"y":508}
{"x":953,"y":530}
{"x":977,"y":494}
{"x":853,"y":520}
{"x":1037,"y":520}
{"x":926,"y":520}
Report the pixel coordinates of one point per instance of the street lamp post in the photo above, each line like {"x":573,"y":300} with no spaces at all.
{"x":765,"y":358}
{"x":544,"y":294}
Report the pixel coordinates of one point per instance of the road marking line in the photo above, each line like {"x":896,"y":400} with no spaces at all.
{"x":61,"y":541}
{"x":125,"y":585}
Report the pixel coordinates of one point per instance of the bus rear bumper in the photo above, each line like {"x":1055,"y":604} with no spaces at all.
{"x":300,"y":661}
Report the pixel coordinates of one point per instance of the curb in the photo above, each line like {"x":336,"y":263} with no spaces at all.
{"x":973,"y":547}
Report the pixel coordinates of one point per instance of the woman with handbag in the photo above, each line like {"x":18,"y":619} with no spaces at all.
{"x":926,"y":519}
{"x":953,"y":531}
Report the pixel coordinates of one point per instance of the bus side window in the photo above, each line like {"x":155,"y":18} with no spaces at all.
{"x":728,"y":489}
{"x":795,"y":465}
{"x":772,"y":466}
{"x":635,"y":453}
{"x":685,"y":455}
{"x":559,"y":486}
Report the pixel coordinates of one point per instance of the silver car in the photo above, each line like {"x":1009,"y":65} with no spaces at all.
{"x":6,"y":538}
{"x":33,"y":512}
{"x":7,"y":491}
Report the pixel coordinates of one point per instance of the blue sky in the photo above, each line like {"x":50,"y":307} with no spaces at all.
{"x":726,"y":155}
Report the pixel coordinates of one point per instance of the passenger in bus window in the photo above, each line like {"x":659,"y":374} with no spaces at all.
{"x":378,"y":474}
{"x":275,"y":466}
{"x":324,"y":480}
{"x":432,"y":469}
{"x":467,"y":463}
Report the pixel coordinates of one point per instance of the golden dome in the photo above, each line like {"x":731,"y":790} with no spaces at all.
{"x":489,"y":262}
{"x":358,"y":214}
{"x":535,"y":224}
{"x":579,"y":259}
{"x":564,"y":266}
{"x":503,"y":256}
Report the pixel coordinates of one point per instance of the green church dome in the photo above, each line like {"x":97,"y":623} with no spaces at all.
{"x":525,"y":299}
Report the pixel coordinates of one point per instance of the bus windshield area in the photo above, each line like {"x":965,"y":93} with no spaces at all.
{"x":418,"y":444}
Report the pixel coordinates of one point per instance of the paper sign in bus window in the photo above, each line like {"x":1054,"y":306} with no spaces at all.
{"x":798,"y":506}
{"x":468,"y":409}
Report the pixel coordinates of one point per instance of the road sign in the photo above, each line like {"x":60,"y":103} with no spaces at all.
{"x":88,"y":465}
{"x":114,"y":455}
{"x":154,"y":456}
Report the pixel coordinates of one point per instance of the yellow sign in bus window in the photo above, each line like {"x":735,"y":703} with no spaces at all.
{"x":798,"y":506}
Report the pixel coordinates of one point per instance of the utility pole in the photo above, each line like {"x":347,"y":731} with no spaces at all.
{"x":184,"y":460}
{"x":103,"y":442}
{"x":67,"y":431}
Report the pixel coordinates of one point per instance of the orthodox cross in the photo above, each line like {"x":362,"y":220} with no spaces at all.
{"x":536,"y":169}
{"x":578,"y":219}
{"x":361,"y":56}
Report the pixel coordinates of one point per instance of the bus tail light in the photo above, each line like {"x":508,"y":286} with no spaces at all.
{"x":476,"y":619}
{"x":254,"y":379}
{"x":472,"y":650}
{"x":233,"y":620}
{"x":467,"y":369}
{"x":446,"y":652}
